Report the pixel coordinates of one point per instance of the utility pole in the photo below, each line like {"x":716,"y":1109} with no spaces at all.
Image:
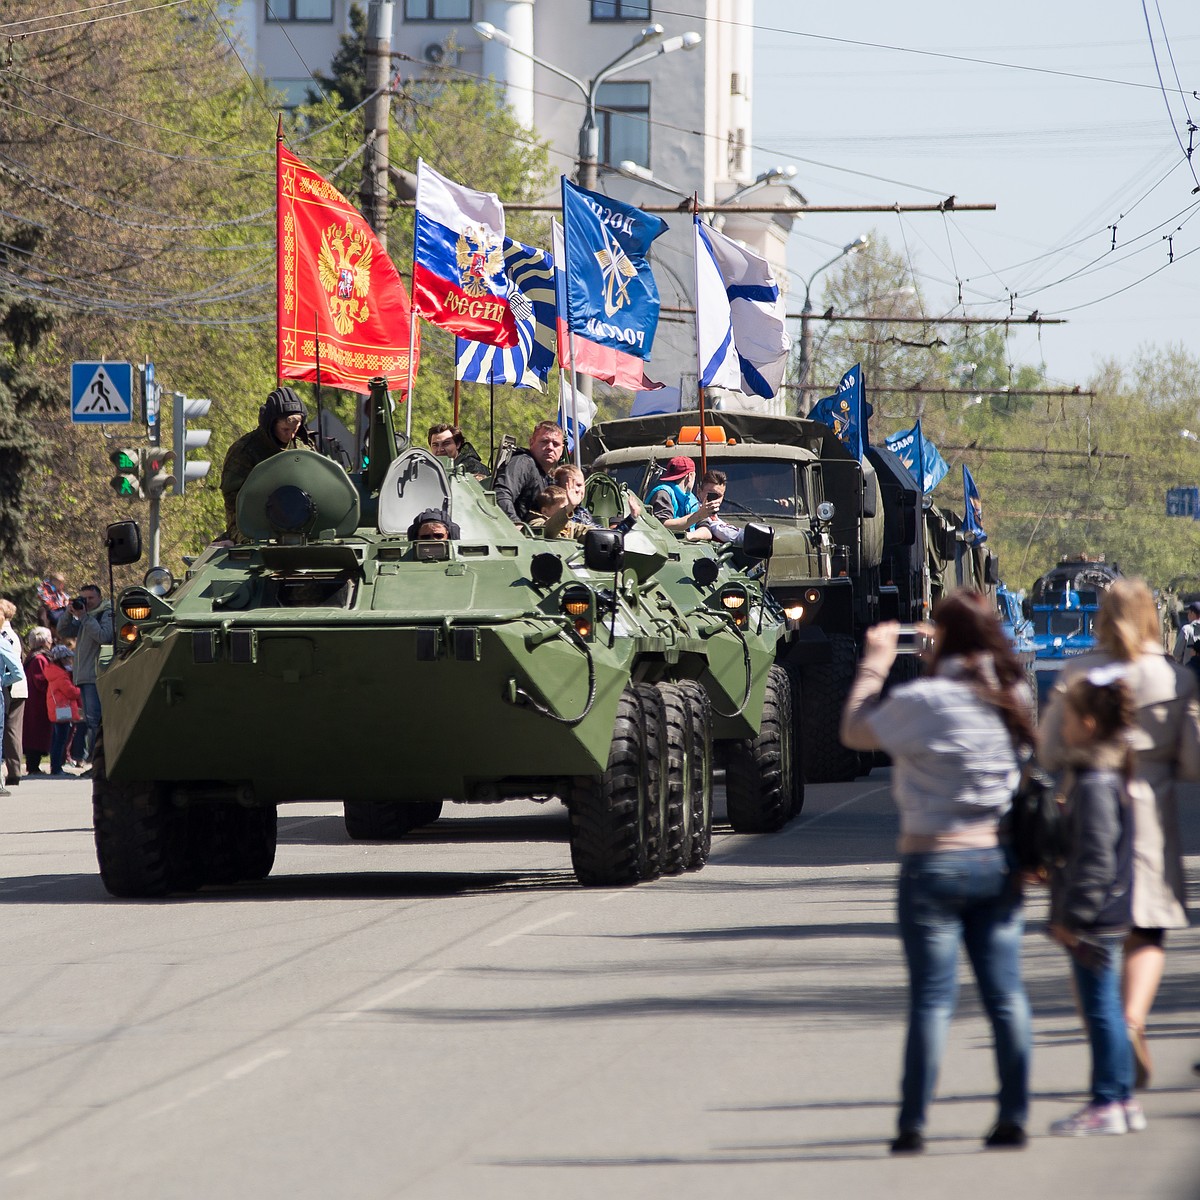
{"x":374,"y":192}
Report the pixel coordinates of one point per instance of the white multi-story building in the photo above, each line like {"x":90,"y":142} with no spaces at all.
{"x":684,"y":117}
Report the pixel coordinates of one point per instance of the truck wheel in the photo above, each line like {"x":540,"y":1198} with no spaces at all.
{"x":797,"y":741}
{"x":760,"y":777}
{"x":824,"y":692}
{"x":680,"y":777}
{"x":607,"y":811}
{"x":387,"y":820}
{"x":256,"y":846}
{"x":652,"y":858}
{"x":700,"y":732}
{"x":134,"y":828}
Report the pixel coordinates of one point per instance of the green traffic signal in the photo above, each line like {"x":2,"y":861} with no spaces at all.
{"x":127,"y":481}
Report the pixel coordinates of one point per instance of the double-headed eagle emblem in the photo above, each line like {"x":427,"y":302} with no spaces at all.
{"x":480,"y":257}
{"x":615,"y":269}
{"x":344,"y":269}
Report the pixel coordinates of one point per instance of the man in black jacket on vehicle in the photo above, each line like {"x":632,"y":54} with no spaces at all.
{"x":522,"y":478}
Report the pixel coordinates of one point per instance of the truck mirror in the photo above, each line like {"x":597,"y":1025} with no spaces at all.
{"x":758,"y":541}
{"x":1026,"y":609}
{"x":124,"y":542}
{"x":991,"y":570}
{"x":603,"y":550}
{"x":870,"y":504}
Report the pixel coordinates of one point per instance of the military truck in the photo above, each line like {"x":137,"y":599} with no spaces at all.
{"x":824,"y":505}
{"x":1062,"y":606}
{"x":335,"y":656}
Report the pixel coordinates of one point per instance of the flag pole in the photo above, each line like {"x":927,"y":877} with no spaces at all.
{"x":317,"y":352}
{"x":412,"y":316}
{"x":278,"y":257}
{"x":699,"y":364}
{"x":456,"y":385}
{"x":570,"y":330}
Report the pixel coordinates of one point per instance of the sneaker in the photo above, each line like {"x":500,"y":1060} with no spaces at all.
{"x":1093,"y":1120}
{"x":1135,"y":1118}
{"x":1006,"y":1134}
{"x":908,"y":1141}
{"x":4,"y":791}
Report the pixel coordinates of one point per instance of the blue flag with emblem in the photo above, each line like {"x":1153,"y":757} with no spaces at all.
{"x":530,"y":274}
{"x":972,"y":524}
{"x":612,"y":298}
{"x":846,"y":412}
{"x":919,"y":455}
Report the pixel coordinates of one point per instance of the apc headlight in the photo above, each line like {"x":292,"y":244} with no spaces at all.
{"x":129,"y":633}
{"x":825,"y":511}
{"x":158,"y":581}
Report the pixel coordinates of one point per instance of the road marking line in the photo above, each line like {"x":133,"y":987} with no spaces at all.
{"x":508,"y":937}
{"x":804,"y":824}
{"x":379,"y":1001}
{"x":204,"y":1088}
{"x":22,"y":1169}
{"x":255,"y":1063}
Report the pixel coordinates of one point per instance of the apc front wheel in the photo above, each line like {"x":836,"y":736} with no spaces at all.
{"x":608,"y":811}
{"x":699,"y":709}
{"x":760,"y":775}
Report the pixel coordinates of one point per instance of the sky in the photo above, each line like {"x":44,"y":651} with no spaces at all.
{"x":1053,"y":111}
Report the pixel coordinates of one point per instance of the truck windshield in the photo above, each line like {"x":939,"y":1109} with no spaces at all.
{"x":755,"y":487}
{"x":1062,"y":624}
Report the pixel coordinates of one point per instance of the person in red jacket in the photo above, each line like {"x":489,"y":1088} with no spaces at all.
{"x":62,"y":706}
{"x":37,"y":728}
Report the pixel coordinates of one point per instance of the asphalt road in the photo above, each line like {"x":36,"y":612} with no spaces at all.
{"x":453,"y":1017}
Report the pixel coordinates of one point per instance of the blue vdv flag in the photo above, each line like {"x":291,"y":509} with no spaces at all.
{"x":612,"y":298}
{"x":530,"y":274}
{"x":919,"y":455}
{"x":846,"y":412}
{"x":972,"y":524}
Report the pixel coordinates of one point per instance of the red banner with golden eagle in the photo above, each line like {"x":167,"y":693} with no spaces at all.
{"x":338,"y":292}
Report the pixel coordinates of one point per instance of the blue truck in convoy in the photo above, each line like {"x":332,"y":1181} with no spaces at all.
{"x":1062,"y":606}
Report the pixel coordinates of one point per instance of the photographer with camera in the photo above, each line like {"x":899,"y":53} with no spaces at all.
{"x":90,"y":621}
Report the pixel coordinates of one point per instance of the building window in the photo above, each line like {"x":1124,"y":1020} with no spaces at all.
{"x":623,"y":115}
{"x":437,"y":10}
{"x":620,"y":10}
{"x":299,"y":10}
{"x":295,"y":91}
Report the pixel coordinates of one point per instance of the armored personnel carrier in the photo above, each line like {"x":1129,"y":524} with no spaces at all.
{"x":493,"y":665}
{"x":824,"y":505}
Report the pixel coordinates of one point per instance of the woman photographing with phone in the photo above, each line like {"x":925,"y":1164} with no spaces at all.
{"x":956,"y":738}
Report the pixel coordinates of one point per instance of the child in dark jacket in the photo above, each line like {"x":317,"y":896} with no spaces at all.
{"x":1090,"y":907}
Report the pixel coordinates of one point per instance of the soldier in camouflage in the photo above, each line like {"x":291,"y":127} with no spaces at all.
{"x":281,"y":426}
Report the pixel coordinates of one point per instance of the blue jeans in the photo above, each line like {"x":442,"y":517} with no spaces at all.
{"x":944,"y":898}
{"x":90,"y":696}
{"x":59,"y":739}
{"x":1097,"y":967}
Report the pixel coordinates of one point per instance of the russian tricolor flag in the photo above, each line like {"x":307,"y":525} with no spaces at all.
{"x":459,"y":282}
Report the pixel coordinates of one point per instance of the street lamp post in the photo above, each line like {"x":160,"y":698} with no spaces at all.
{"x":802,"y":404}
{"x":589,"y":132}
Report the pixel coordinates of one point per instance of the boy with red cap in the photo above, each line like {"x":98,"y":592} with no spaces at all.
{"x":672,"y":501}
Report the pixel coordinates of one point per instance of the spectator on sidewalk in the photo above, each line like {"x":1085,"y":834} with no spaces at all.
{"x":62,"y":706}
{"x":11,"y":674}
{"x":14,"y":699}
{"x":956,"y":738}
{"x":92,"y":617}
{"x":53,"y":600}
{"x":37,"y":729}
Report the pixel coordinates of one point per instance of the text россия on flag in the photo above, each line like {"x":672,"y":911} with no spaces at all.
{"x":459,"y":282}
{"x":339,"y":296}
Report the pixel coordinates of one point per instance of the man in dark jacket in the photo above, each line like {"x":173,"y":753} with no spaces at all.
{"x":448,"y":441}
{"x":522,"y":478}
{"x":280,"y":427}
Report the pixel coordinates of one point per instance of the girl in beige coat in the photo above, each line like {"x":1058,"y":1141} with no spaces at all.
{"x":1166,"y":744}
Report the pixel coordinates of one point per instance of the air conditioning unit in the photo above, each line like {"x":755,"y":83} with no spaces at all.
{"x":438,"y":54}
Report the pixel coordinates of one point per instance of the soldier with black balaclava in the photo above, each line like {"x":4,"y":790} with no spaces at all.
{"x":281,"y":426}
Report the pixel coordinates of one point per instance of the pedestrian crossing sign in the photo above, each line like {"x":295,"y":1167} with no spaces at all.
{"x":101,"y":393}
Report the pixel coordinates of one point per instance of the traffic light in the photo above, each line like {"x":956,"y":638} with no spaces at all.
{"x":155,"y":477}
{"x":185,"y":410}
{"x":128,"y":479}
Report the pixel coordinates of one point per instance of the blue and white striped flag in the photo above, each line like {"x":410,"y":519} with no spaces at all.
{"x":530,"y":274}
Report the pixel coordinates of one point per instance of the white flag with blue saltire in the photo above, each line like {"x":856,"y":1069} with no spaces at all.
{"x":530,"y":274}
{"x":740,"y":329}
